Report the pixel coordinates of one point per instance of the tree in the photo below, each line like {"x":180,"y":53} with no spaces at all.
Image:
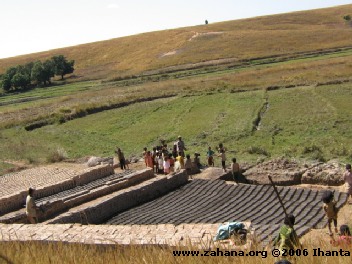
{"x":20,"y":80}
{"x":42,"y":72}
{"x":20,"y":76}
{"x":347,"y":17}
{"x":37,"y":74}
{"x":7,"y":78}
{"x":62,"y":66}
{"x":11,"y":72}
{"x":28,"y":68}
{"x":6,"y":82}
{"x":48,"y":71}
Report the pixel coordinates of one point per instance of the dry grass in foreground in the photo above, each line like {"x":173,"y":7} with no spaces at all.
{"x":40,"y":252}
{"x":316,"y":249}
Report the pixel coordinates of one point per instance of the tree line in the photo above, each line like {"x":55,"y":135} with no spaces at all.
{"x":36,"y":73}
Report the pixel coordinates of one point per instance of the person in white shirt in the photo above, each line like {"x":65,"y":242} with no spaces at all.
{"x":166,"y":165}
{"x":31,"y":208}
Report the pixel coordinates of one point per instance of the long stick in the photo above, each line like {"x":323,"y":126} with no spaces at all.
{"x":278,"y":196}
{"x":282,"y":204}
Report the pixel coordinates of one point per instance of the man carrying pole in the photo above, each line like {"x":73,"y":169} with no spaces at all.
{"x":287,"y":238}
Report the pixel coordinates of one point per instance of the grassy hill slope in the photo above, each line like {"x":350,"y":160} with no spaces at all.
{"x":237,"y":40}
{"x":265,"y":87}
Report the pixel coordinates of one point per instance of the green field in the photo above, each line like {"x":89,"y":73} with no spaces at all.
{"x":310,"y":122}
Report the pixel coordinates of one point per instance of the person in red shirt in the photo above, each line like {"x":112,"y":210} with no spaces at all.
{"x":344,"y":239}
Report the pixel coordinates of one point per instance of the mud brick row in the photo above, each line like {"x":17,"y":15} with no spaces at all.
{"x":47,"y":181}
{"x":204,"y":201}
{"x":53,"y":205}
{"x":104,"y":207}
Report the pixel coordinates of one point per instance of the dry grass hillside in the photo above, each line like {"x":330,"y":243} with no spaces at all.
{"x":239,"y":69}
{"x":237,"y":40}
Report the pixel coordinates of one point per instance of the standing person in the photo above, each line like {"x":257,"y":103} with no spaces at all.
{"x":174,"y":150}
{"x":172,"y":162}
{"x":155,"y":162}
{"x":121,"y":158}
{"x":235,"y":170}
{"x":221,"y":150}
{"x":223,"y":159}
{"x":210,"y":158}
{"x":188,"y":165}
{"x":144,"y":153}
{"x":160,"y":163}
{"x":287,"y":238}
{"x":196,"y":160}
{"x":330,"y":210}
{"x":149,"y":160}
{"x":181,"y":160}
{"x":31,"y":208}
{"x":221,"y":147}
{"x":165,"y":151}
{"x":166,"y":165}
{"x":180,"y":146}
{"x":347,"y":176}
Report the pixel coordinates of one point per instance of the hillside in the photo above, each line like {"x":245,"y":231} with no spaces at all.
{"x":266,"y":87}
{"x":230,"y":41}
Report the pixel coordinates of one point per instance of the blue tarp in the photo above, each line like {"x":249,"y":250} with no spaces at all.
{"x":225,"y":230}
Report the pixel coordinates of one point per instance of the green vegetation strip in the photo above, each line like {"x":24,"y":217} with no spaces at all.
{"x":307,"y":122}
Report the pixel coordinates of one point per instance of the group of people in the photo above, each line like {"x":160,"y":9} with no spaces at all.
{"x":164,"y":160}
{"x":287,"y":238}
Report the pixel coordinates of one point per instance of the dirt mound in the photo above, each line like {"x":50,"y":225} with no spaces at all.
{"x":210,"y":173}
{"x":324,"y":173}
{"x":291,"y":172}
{"x":283,"y":172}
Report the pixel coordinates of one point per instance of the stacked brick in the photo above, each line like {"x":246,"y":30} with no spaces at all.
{"x":162,"y":234}
{"x":46,"y":180}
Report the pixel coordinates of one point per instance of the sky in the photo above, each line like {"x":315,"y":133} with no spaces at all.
{"x":28,"y":26}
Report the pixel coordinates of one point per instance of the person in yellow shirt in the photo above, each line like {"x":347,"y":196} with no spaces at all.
{"x":181,"y":160}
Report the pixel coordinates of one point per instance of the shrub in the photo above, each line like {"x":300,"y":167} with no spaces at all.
{"x":57,"y":155}
{"x":315,"y":152}
{"x":258,"y":150}
{"x":311,"y":149}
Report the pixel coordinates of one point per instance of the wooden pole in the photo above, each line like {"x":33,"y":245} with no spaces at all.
{"x":278,"y":196}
